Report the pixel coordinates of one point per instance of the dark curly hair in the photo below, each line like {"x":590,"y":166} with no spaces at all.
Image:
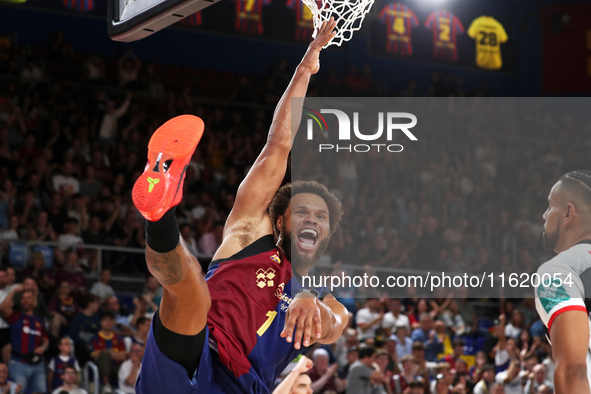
{"x":283,"y":196}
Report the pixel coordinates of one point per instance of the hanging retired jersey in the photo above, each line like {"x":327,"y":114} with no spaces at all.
{"x":80,"y":5}
{"x":399,"y":19}
{"x":446,"y":27}
{"x":193,"y":20}
{"x":249,"y":16}
{"x":489,"y":35}
{"x":304,"y":19}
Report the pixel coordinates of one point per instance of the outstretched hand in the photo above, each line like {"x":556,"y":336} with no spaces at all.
{"x":325,"y":34}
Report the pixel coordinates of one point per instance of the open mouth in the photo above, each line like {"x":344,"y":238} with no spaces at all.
{"x":307,"y":238}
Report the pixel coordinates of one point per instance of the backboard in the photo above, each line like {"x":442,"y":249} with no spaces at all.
{"x":132,"y":20}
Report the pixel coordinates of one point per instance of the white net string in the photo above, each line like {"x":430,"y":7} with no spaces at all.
{"x":348,"y":14}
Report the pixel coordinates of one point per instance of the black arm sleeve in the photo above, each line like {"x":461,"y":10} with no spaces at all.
{"x":174,"y":346}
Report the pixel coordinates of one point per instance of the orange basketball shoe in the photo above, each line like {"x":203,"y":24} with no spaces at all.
{"x":160,"y":187}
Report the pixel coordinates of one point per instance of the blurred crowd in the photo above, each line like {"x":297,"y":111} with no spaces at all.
{"x":74,"y":129}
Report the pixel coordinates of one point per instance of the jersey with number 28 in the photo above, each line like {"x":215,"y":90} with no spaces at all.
{"x":489,"y":35}
{"x":565,"y":285}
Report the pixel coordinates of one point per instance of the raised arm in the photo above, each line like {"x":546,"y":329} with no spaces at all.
{"x":569,"y":335}
{"x":249,"y":220}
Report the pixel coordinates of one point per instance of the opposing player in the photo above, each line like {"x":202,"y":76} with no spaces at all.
{"x":233,"y":331}
{"x":562,"y":297}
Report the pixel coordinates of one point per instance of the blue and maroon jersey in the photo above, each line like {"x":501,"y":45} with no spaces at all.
{"x":250,"y":293}
{"x":27,"y":332}
{"x":249,"y":14}
{"x":445,"y":26}
{"x":304,"y":19}
{"x":57,"y":365}
{"x":195,"y":19}
{"x":80,"y":5}
{"x":103,"y":341}
{"x":399,"y":19}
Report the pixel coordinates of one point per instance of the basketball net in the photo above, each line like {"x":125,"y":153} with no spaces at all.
{"x":348,"y":14}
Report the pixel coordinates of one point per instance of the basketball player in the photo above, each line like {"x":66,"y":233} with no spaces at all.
{"x":233,"y":332}
{"x":561,"y":298}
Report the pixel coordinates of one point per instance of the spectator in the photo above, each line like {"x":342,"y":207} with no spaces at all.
{"x":427,"y":335}
{"x":189,"y":238}
{"x":512,"y":378}
{"x":403,"y":341}
{"x":152,"y":294}
{"x":36,"y":270}
{"x":29,"y":342}
{"x":352,"y":356}
{"x":297,"y":381}
{"x":543,"y":389}
{"x":505,"y":350}
{"x":369,"y":319}
{"x":401,"y":382}
{"x":426,"y":368}
{"x":85,"y":326}
{"x":63,"y":308}
{"x":40,"y":308}
{"x":140,"y":336}
{"x":458,"y":351}
{"x":58,"y":363}
{"x":498,"y":388}
{"x":536,"y":378}
{"x":102,"y":289}
{"x":513,"y":329}
{"x":89,"y":185}
{"x":6,"y":386}
{"x":72,"y":273}
{"x":107,"y":351}
{"x":70,"y":237}
{"x":362,"y":375}
{"x":65,"y":183}
{"x":42,"y":230}
{"x":4,"y":326}
{"x":324,"y":377}
{"x":130,"y":369}
{"x":70,"y":382}
{"x":443,"y":382}
{"x":123,"y":325}
{"x":109,"y":128}
{"x":485,"y":384}
{"x":211,"y":240}
{"x":393,"y":318}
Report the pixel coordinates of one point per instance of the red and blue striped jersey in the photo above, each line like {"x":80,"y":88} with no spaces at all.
{"x":399,"y":19}
{"x":193,"y":20}
{"x":250,"y":294}
{"x":27,"y":332}
{"x":445,"y":26}
{"x":304,"y":19}
{"x":57,"y":365}
{"x":249,"y":16}
{"x":104,"y":341}
{"x":80,"y":5}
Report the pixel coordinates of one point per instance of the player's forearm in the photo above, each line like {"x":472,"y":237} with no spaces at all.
{"x":571,"y":379}
{"x":334,"y":318}
{"x":287,"y":117}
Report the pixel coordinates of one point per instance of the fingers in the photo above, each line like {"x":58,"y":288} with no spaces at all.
{"x":290,"y":320}
{"x":300,"y":326}
{"x":317,"y":326}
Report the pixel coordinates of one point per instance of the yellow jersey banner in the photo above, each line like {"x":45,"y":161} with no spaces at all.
{"x":489,"y":35}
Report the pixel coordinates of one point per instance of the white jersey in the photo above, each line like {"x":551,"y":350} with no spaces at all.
{"x":565,"y":286}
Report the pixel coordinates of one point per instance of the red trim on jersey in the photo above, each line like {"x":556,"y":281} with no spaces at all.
{"x":565,"y":309}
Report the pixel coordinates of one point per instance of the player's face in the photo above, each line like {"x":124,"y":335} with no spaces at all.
{"x":551,"y":218}
{"x":302,"y":385}
{"x":305,"y":230}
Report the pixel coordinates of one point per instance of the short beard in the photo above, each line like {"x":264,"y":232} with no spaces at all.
{"x":298,"y":262}
{"x":551,"y":240}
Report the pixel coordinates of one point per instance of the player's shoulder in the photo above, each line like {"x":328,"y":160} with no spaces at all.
{"x":576,"y":259}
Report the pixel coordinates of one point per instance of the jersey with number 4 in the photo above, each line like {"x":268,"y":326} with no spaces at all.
{"x":489,"y":35}
{"x":250,"y":293}
{"x":399,"y":19}
{"x":565,"y":285}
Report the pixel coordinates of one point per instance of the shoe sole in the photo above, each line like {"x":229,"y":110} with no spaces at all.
{"x":174,"y":141}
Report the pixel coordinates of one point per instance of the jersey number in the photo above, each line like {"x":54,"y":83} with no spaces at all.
{"x":270,"y":316}
{"x":398,"y":26}
{"x":444,"y":33}
{"x":488,"y":38}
